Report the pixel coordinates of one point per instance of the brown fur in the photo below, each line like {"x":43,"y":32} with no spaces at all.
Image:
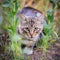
{"x":30,"y":26}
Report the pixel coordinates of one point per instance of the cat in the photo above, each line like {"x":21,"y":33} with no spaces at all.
{"x":30,"y":27}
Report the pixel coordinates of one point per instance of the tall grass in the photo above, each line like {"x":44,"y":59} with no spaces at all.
{"x":14,"y":46}
{"x":49,"y":29}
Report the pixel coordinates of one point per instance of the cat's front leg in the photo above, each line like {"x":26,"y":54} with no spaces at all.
{"x":27,"y":47}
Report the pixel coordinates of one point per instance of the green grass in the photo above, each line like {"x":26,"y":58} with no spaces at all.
{"x":15,"y":44}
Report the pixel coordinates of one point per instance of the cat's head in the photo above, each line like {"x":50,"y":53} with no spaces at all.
{"x":30,"y":27}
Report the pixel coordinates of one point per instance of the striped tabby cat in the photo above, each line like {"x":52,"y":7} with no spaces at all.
{"x":30,"y":27}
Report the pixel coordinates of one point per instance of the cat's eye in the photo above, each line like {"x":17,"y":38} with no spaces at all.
{"x":26,"y":29}
{"x":35,"y":28}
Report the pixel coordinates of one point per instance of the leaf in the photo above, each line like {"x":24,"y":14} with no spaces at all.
{"x":45,"y":24}
{"x":12,"y":47}
{"x":50,"y":15}
{"x":6,"y":4}
{"x":16,"y":38}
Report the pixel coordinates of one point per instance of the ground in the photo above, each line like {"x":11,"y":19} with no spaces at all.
{"x":53,"y":53}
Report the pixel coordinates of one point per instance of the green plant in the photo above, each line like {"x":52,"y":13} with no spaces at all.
{"x":15,"y":44}
{"x":15,"y":40}
{"x":49,"y":29}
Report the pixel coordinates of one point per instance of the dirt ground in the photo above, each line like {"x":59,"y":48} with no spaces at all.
{"x":51,"y":54}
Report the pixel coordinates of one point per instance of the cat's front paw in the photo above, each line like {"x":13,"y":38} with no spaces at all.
{"x":27,"y":51}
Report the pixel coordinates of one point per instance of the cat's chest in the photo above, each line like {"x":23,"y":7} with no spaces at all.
{"x":28,"y":43}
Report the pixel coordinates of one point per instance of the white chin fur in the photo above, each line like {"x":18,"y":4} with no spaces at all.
{"x":34,"y":38}
{"x":27,"y":51}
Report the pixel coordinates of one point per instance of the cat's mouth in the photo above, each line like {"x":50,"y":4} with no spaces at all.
{"x":32,"y":39}
{"x":29,"y":39}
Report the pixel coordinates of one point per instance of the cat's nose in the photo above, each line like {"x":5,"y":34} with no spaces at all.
{"x":31,"y":35}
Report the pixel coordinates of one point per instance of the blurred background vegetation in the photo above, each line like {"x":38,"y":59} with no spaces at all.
{"x":9,"y":22}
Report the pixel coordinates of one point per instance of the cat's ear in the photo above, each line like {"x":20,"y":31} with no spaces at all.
{"x":40,"y":17}
{"x":22,"y":16}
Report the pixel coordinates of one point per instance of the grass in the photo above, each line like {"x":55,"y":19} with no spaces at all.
{"x":15,"y":44}
{"x":49,"y":29}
